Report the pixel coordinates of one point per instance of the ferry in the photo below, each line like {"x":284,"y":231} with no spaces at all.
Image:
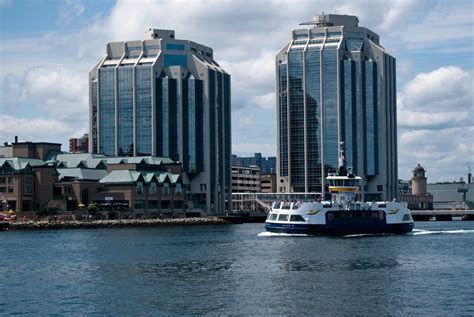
{"x":344,"y":214}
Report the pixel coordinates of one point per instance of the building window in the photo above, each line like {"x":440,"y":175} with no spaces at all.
{"x":2,"y":180}
{"x":379,"y":188}
{"x":176,"y":47}
{"x":10,"y":180}
{"x":179,"y":188}
{"x":139,"y":188}
{"x":10,"y":189}
{"x":153,"y":204}
{"x":166,"y":188}
{"x":3,"y":189}
{"x":153,"y":188}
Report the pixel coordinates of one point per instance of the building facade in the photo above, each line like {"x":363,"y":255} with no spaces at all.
{"x":79,"y":145}
{"x":336,"y":83}
{"x":246,"y":179}
{"x":268,"y":183}
{"x":166,"y":97}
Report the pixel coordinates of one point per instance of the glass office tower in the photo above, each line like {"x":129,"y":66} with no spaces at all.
{"x":336,"y":83}
{"x":169,"y":98}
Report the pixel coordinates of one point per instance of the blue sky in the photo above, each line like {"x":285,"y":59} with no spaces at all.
{"x":48,"y":47}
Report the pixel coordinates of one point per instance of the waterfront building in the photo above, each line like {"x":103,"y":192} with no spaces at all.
{"x":120,"y":186}
{"x":79,"y":145}
{"x":166,"y":97}
{"x":245,"y":179}
{"x":336,"y":83}
{"x":452,"y":195}
{"x":267,"y":165}
{"x":27,"y":175}
{"x":418,"y":197}
{"x":268,"y":183}
{"x":38,"y":176}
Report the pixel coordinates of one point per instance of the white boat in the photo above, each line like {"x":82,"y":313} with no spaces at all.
{"x":342,"y":215}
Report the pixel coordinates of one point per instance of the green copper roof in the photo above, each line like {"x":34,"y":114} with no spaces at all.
{"x":81,"y":173}
{"x":121,"y":177}
{"x":130,"y":177}
{"x":19,"y":164}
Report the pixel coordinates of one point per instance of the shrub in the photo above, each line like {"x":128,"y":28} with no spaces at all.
{"x":92,"y":209}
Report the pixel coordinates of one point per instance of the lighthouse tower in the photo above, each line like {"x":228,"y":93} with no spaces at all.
{"x":418,"y":181}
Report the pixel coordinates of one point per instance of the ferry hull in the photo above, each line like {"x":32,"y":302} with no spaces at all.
{"x":339,"y":229}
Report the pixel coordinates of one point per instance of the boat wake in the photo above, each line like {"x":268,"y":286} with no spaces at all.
{"x":358,"y":235}
{"x":418,"y":232}
{"x":275,"y":234}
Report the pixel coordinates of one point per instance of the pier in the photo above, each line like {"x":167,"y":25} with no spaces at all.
{"x":442,"y":215}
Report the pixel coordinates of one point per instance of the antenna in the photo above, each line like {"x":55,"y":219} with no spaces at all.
{"x":469,"y":175}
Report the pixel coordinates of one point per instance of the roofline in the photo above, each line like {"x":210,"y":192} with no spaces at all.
{"x":30,"y":142}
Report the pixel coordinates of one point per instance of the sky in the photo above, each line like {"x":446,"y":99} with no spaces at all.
{"x":47,"y":48}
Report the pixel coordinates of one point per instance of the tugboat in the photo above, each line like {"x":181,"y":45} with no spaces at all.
{"x":343,"y":214}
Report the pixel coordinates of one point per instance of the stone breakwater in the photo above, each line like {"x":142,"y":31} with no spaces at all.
{"x":122,"y":223}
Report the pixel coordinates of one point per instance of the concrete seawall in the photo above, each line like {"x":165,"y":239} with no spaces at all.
{"x":122,"y":223}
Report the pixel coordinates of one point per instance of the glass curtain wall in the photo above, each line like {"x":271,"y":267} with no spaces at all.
{"x":143,"y":110}
{"x":295,"y":62}
{"x":125,"y":110}
{"x":107,"y":110}
{"x":313,"y":65}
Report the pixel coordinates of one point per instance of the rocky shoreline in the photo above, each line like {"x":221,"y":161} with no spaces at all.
{"x":121,"y":223}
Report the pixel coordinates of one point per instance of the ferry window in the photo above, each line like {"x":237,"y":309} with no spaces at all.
{"x":406,"y":217}
{"x":277,"y":205}
{"x":283,"y":217}
{"x":296,"y":218}
{"x":273,"y":217}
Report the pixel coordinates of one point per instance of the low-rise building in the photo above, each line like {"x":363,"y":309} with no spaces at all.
{"x":41,"y":177}
{"x":268,"y":183}
{"x":245,"y":179}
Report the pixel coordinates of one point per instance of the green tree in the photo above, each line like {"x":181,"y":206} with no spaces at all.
{"x":92,"y":209}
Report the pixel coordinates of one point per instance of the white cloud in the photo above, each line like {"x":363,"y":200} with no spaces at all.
{"x":54,"y":90}
{"x":442,"y":152}
{"x":266,"y":101}
{"x":50,"y":130}
{"x":441,"y":98}
{"x":435,"y":116}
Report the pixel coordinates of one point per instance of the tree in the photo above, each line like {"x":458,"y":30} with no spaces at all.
{"x":92,"y":209}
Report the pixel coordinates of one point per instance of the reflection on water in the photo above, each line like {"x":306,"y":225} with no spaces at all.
{"x":293,"y":265}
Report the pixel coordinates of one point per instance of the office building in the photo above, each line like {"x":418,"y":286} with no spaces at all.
{"x":166,"y":97}
{"x":336,"y":83}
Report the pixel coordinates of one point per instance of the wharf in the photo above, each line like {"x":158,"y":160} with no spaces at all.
{"x":442,"y":215}
{"x":248,"y":217}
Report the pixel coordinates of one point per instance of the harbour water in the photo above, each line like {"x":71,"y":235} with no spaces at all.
{"x":237,"y":269}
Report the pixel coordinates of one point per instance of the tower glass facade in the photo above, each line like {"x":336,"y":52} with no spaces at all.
{"x":166,"y":97}
{"x":335,"y":83}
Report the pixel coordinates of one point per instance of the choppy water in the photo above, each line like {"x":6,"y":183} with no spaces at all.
{"x":240,"y":269}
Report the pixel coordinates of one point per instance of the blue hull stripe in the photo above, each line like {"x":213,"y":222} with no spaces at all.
{"x":339,"y":229}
